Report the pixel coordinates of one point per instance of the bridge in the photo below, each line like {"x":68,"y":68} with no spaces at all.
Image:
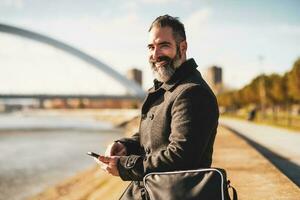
{"x":134,"y":90}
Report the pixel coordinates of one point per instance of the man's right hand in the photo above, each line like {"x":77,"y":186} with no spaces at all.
{"x":116,"y":149}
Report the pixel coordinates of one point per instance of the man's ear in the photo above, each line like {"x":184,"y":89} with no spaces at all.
{"x":183,"y":47}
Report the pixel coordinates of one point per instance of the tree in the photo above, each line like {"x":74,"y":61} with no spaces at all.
{"x":277,"y":93}
{"x":294,"y":82}
{"x":277,"y":89}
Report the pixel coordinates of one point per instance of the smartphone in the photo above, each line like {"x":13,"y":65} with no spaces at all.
{"x":93,"y":154}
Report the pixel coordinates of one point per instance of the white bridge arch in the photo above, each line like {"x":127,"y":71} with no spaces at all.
{"x":133,"y":88}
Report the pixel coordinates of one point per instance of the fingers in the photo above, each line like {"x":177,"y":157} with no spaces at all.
{"x":97,"y":161}
{"x":109,"y":160}
{"x":105,"y":159}
{"x":108,"y":164}
{"x":116,"y":149}
{"x":103,"y":166}
{"x":108,"y":169}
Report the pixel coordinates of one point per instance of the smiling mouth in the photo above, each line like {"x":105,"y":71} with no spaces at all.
{"x":160,"y":63}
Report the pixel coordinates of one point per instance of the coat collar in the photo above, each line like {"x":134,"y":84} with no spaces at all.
{"x":182,"y":72}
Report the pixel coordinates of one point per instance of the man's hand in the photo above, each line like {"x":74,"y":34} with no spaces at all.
{"x":116,"y":149}
{"x":112,"y":154}
{"x":109,"y":164}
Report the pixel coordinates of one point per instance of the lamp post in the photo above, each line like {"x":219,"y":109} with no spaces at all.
{"x":262,"y":87}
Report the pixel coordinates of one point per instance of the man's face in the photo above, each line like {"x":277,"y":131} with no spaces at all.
{"x":164,"y":53}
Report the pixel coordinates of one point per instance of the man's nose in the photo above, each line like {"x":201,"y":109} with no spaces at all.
{"x":156,"y":53}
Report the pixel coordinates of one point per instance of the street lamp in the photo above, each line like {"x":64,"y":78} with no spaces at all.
{"x":262,"y":87}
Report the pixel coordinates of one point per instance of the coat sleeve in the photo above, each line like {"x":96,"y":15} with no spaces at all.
{"x":132,"y":144}
{"x":194,"y":117}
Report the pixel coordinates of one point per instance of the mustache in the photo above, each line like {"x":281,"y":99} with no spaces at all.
{"x":161,"y":58}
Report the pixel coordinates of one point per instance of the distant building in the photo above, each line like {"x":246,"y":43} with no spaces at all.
{"x":135,"y":75}
{"x":213,"y":76}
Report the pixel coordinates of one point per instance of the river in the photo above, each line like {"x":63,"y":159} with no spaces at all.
{"x":40,"y":151}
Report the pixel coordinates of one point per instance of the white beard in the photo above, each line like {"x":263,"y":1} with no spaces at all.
{"x":164,"y":73}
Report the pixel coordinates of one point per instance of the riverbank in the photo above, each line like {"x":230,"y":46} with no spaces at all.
{"x":40,"y":148}
{"x":93,"y":183}
{"x":251,"y":174}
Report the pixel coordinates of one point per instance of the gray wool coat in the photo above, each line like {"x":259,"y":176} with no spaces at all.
{"x":177,"y":130}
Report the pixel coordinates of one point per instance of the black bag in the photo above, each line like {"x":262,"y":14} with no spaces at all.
{"x":199,"y":184}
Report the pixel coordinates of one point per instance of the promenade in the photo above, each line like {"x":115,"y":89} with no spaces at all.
{"x":254,"y":176}
{"x":280,"y":146}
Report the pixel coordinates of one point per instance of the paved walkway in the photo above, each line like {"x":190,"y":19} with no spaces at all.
{"x":250,"y":173}
{"x":280,"y":146}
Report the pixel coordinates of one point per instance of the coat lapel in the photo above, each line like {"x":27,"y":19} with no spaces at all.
{"x":159,"y":88}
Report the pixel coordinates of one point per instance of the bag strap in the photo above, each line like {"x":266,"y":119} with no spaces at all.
{"x":129,"y":185}
{"x":234,"y":192}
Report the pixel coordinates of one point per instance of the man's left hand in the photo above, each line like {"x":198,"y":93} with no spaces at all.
{"x":109,"y":164}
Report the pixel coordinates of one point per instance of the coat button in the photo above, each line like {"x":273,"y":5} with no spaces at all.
{"x":130,"y":163}
{"x":151,"y":116}
{"x":147,"y":150}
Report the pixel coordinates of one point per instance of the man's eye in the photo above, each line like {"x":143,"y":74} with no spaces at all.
{"x":150,"y":47}
{"x":164,"y":46}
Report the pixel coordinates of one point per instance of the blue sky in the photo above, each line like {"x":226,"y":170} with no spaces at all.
{"x":230,"y":34}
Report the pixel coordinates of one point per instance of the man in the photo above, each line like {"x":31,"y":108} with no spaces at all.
{"x":179,"y":116}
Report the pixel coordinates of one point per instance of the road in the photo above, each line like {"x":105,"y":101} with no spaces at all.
{"x":280,"y":146}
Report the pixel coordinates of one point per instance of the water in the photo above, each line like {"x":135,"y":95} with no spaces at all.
{"x":37,"y":155}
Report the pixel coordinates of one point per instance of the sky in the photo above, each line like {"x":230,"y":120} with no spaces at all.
{"x":245,"y":38}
